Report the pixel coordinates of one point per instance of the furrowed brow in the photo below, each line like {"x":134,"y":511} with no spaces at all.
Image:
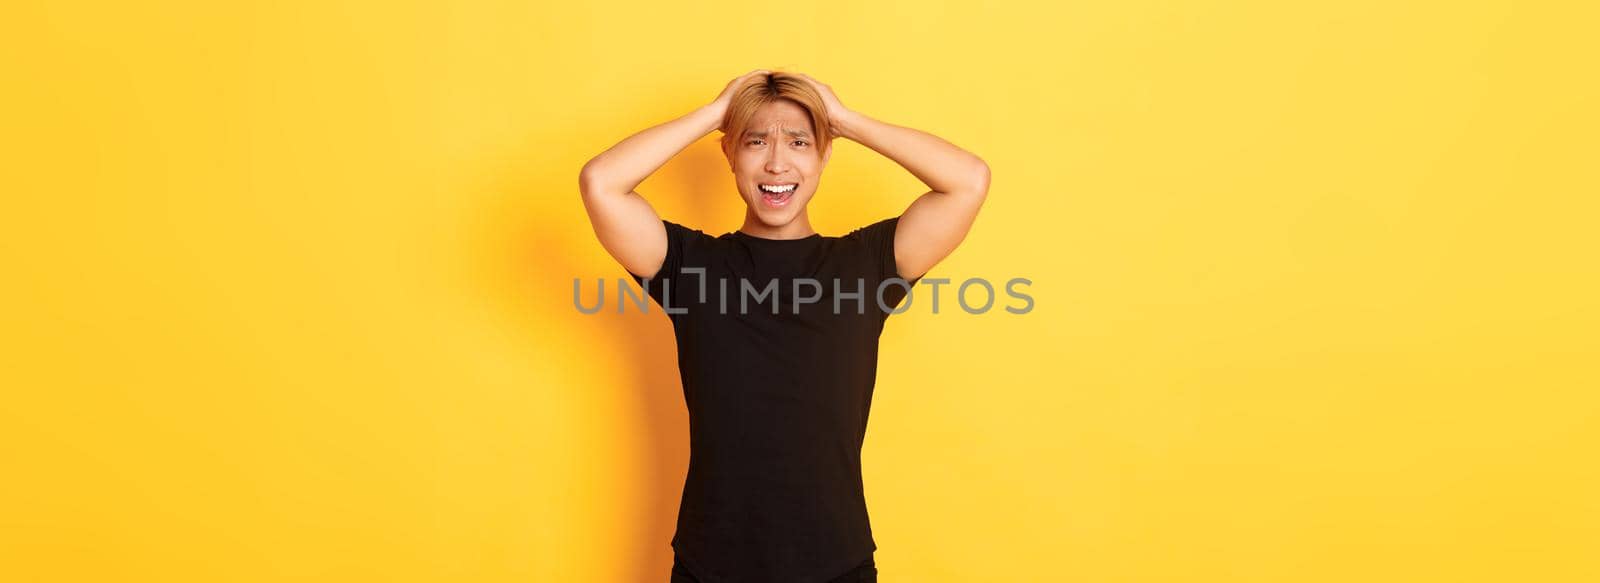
{"x":763,"y":133}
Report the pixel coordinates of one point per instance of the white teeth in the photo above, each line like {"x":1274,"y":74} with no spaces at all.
{"x":777,"y":189}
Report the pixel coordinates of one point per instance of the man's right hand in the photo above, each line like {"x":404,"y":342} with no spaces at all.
{"x":720,"y":104}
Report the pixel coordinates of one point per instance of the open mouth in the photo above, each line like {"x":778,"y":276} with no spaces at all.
{"x":777,"y":195}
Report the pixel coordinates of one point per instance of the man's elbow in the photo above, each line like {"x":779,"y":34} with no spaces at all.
{"x":978,"y":183}
{"x":589,"y":180}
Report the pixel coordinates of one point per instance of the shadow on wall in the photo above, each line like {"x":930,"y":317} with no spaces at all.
{"x":543,"y":262}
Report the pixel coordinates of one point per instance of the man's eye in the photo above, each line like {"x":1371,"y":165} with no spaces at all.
{"x":752,"y":142}
{"x":801,"y":142}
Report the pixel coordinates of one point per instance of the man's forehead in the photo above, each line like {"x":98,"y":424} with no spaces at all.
{"x":789,"y":130}
{"x":786,"y":125}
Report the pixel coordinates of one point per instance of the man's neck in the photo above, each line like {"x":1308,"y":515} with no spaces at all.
{"x":799,"y":228}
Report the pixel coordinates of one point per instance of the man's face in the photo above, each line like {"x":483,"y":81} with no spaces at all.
{"x":778,"y":151}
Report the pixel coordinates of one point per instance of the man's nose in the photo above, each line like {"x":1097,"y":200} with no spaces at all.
{"x":777,"y":161}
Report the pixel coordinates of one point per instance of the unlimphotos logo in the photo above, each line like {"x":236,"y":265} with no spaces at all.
{"x":747,"y":295}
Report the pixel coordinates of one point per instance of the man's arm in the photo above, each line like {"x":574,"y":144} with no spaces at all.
{"x":936,"y":222}
{"x":625,"y":223}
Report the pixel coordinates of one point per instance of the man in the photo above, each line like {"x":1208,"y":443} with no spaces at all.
{"x":777,"y":326}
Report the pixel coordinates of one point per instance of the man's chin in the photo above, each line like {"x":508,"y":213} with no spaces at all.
{"x":769,"y":215}
{"x":775,"y":219}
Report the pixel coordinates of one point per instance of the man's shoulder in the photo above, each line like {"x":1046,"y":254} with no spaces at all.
{"x":874,"y":229}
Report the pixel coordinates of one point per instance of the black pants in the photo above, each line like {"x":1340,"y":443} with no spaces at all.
{"x":866,"y":572}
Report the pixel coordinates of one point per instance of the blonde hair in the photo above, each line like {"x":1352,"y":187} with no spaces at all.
{"x":762,"y":90}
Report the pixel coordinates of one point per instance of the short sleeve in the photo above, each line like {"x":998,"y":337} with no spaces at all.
{"x":878,"y":240}
{"x":877,"y":247}
{"x":680,"y":243}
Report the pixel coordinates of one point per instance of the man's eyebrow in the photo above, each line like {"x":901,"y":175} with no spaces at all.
{"x":798,"y":133}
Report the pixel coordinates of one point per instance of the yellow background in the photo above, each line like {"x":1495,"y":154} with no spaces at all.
{"x":288,"y":288}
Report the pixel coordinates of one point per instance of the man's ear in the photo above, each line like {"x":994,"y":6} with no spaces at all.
{"x":827,"y":153}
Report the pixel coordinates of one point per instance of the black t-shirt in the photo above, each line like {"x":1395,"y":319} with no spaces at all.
{"x":777,"y":402}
